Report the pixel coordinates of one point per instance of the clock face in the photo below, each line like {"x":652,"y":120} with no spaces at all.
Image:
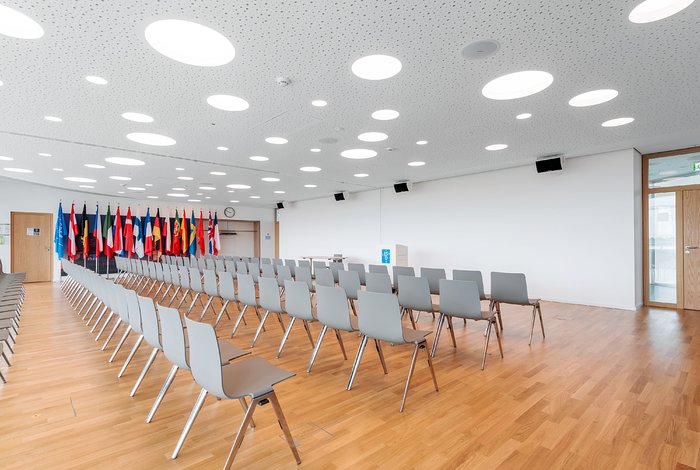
{"x":229,"y":212}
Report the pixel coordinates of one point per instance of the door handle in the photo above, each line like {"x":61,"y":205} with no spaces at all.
{"x":690,"y":247}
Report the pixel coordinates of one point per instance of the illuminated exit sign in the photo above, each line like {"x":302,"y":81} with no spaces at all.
{"x":696,"y":166}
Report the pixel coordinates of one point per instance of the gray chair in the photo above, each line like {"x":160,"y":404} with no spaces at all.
{"x":397,"y":271}
{"x":414,"y":294}
{"x":270,"y":302}
{"x":197,"y":288}
{"x":292,"y":266}
{"x":246,"y":296}
{"x":268,"y":270}
{"x":511,"y":288}
{"x":324,"y":277}
{"x":317,"y":265}
{"x":332,"y":312}
{"x":297,"y":304}
{"x":134,"y":309}
{"x":265,"y":261}
{"x":379,"y":318}
{"x":251,"y":377}
{"x":277,"y":262}
{"x":433,"y":275}
{"x":460,"y":299}
{"x":219,"y":266}
{"x":335,"y":267}
{"x":378,"y":282}
{"x":474,"y":276}
{"x":230,"y":266}
{"x":210,"y":288}
{"x":241,"y":267}
{"x":283,"y":274}
{"x":303,"y":274}
{"x":378,"y":268}
{"x":304,"y":263}
{"x":254,"y":271}
{"x":350,"y":282}
{"x":227,"y":293}
{"x":151,"y":333}
{"x":209,"y":263}
{"x":359,"y":268}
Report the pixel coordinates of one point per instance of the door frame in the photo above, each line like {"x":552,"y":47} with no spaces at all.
{"x":12,"y":240}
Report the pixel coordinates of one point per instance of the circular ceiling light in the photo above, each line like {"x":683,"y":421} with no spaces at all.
{"x":199,"y":194}
{"x":125,"y":161}
{"x":17,"y":170}
{"x":207,"y":188}
{"x":190,"y":43}
{"x":185,"y":178}
{"x":86,"y":186}
{"x":310,"y":169}
{"x":238,"y":186}
{"x":148,"y":184}
{"x":94,"y":165}
{"x":222,"y":148}
{"x":319,"y":103}
{"x":96,"y":80}
{"x":480,"y":49}
{"x":358,"y":154}
{"x":315,"y":150}
{"x":194,"y":200}
{"x":228,"y":103}
{"x":259,"y":158}
{"x":57,"y":169}
{"x":655,"y":10}
{"x":120,"y":192}
{"x":385,"y":115}
{"x":276,"y":140}
{"x":372,"y":136}
{"x":137,"y":117}
{"x":217,"y":173}
{"x":376,"y":67}
{"x":179,"y":169}
{"x":494,"y":147}
{"x":18,"y":25}
{"x":148,"y":138}
{"x":416,"y":163}
{"x":53,"y":118}
{"x":135,"y":188}
{"x":152,"y":197}
{"x":360,"y":175}
{"x":270,"y":179}
{"x":120,"y":178}
{"x":43,"y":154}
{"x":310,"y":186}
{"x":254,"y":197}
{"x":79,"y":179}
{"x":178,"y":189}
{"x":421,"y":142}
{"x":278,"y":192}
{"x":234,"y":201}
{"x":178,"y":195}
{"x":517,"y":85}
{"x":617,"y":122}
{"x":592,"y":98}
{"x":6,"y":159}
{"x":523,"y":116}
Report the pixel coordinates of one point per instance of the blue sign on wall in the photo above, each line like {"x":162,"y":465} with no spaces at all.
{"x":386,"y":256}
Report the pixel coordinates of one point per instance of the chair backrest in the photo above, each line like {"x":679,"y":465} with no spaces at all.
{"x":226,"y":286}
{"x":196,"y":280}
{"x":241,"y":267}
{"x":474,"y":276}
{"x":265,"y":261}
{"x":152,"y":273}
{"x":297,"y":300}
{"x":304,"y":262}
{"x":332,"y":308}
{"x":173,"y":336}
{"x":283,"y":274}
{"x":193,"y":261}
{"x":335,"y":267}
{"x":167,"y":277}
{"x":210,"y":283}
{"x":359,"y":268}
{"x":509,"y":288}
{"x":149,"y":321}
{"x":319,"y":265}
{"x":219,"y":265}
{"x":132,"y":303}
{"x":270,"y":294}
{"x":303,"y":274}
{"x":179,"y":261}
{"x":268,"y":270}
{"x":246,"y":290}
{"x":202,"y":264}
{"x":324,"y":277}
{"x":254,"y":270}
{"x":277,"y":262}
{"x":175,"y":275}
{"x":433,"y":275}
{"x":210,"y":263}
{"x":378,"y":268}
{"x":159,"y":272}
{"x":230,"y":266}
{"x":350,"y":282}
{"x":205,"y":360}
{"x":379,"y":316}
{"x":460,"y":299}
{"x":118,"y":299}
{"x":185,"y":276}
{"x":397,"y":271}
{"x":292,"y":265}
{"x":378,"y":282}
{"x":414,"y":293}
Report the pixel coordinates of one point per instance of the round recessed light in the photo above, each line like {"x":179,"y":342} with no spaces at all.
{"x":416,"y":163}
{"x":310,"y":169}
{"x":207,"y":188}
{"x":94,"y":165}
{"x":96,"y":80}
{"x":315,"y":150}
{"x":480,"y":49}
{"x":185,"y":178}
{"x":120,"y":178}
{"x":178,"y":189}
{"x":6,"y":159}
{"x":270,"y":179}
{"x":17,"y":170}
{"x":617,"y":122}
{"x":655,"y":10}
{"x":238,"y":186}
{"x":120,"y":192}
{"x":517,"y":85}
{"x":310,"y":186}
{"x":278,"y":192}
{"x":79,"y":179}
{"x":148,"y":184}
{"x":207,"y":197}
{"x":360,"y":175}
{"x":135,"y":188}
{"x":200,"y":194}
{"x":276,"y":140}
{"x":1,"y":83}
{"x":421,"y":142}
{"x":372,"y":136}
{"x":137,"y":117}
{"x":179,"y":169}
{"x":152,"y":197}
{"x":148,"y":138}
{"x":259,"y":158}
{"x":228,"y":103}
{"x":328,"y":140}
{"x":234,"y":201}
{"x":494,"y":147}
{"x":86,"y":186}
{"x":319,"y":103}
{"x":53,"y":118}
{"x":222,"y":148}
{"x":217,"y":173}
{"x":57,"y":169}
{"x":125,"y":161}
{"x":523,"y":116}
{"x":190,"y":43}
{"x":254,"y":197}
{"x":358,"y":154}
{"x":44,"y":154}
{"x":376,"y":67}
{"x":592,"y":98}
{"x":194,"y":200}
{"x":178,"y":195}
{"x":18,"y":25}
{"x":385,"y":115}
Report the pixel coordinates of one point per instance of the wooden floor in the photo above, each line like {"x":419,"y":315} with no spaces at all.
{"x":607,"y":389}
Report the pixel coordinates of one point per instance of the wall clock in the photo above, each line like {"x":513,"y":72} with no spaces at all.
{"x":230,"y":212}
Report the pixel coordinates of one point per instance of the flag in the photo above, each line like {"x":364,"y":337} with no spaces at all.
{"x":217,"y":240}
{"x":185,"y":241}
{"x":84,"y":238}
{"x":148,"y":232}
{"x":72,"y":232}
{"x":97,"y":232}
{"x":138,"y":236}
{"x":166,"y":236}
{"x":128,"y":233}
{"x":200,"y":234}
{"x":107,"y":232}
{"x":118,"y":242}
{"x":210,"y":234}
{"x":193,"y":235}
{"x":157,"y":242}
{"x":60,"y":232}
{"x":177,"y":236}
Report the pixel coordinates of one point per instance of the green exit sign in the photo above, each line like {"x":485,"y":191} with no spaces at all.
{"x":696,"y":166}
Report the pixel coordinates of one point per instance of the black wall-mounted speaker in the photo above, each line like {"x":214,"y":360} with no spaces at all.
{"x":549,"y":164}
{"x":402,"y":187}
{"x":339,"y":196}
{"x":280,"y":205}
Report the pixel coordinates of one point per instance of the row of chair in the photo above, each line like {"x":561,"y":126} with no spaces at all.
{"x":11,"y":298}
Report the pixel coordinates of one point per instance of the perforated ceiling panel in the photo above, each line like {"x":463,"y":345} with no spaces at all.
{"x":585,"y":45}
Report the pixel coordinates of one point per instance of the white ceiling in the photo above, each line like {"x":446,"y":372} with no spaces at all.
{"x":585,"y":45}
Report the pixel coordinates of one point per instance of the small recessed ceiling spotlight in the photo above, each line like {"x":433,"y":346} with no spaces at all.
{"x":523,"y":116}
{"x":178,"y":195}
{"x":18,"y":25}
{"x":207,"y":188}
{"x":617,"y":122}
{"x":278,"y":192}
{"x":94,"y":165}
{"x":270,"y":179}
{"x":376,"y":67}
{"x":372,"y":136}
{"x":125,"y":161}
{"x":234,"y":201}
{"x":358,"y":154}
{"x":57,"y":169}
{"x":222,"y":148}
{"x":517,"y":85}
{"x":231,"y":191}
{"x":179,"y":169}
{"x":44,"y":154}
{"x":96,"y":80}
{"x":178,"y":189}
{"x":120,"y":178}
{"x":217,"y":173}
{"x":592,"y":98}
{"x":194,"y":200}
{"x":319,"y":103}
{"x":360,"y":175}
{"x":6,"y":159}
{"x":152,"y":197}
{"x":228,"y":103}
{"x":200,"y":194}
{"x":53,"y":118}
{"x":254,"y":197}
{"x":120,"y":192}
{"x":190,"y":43}
{"x":421,"y":142}
{"x":148,"y":138}
{"x":137,"y":117}
{"x":135,"y":188}
{"x":258,"y":158}
{"x":148,"y":184}
{"x":310,"y":186}
{"x":480,"y":49}
{"x":86,"y":186}
{"x":276,"y":140}
{"x":79,"y":179}
{"x":207,"y":197}
{"x":416,"y":163}
{"x":315,"y":150}
{"x":238,"y":186}
{"x":385,"y":115}
{"x":494,"y":147}
{"x":655,"y":10}
{"x":17,"y":170}
{"x":310,"y":169}
{"x":185,"y":178}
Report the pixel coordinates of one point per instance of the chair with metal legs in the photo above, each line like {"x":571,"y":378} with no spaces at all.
{"x":350,"y":282}
{"x":268,"y":270}
{"x":151,"y":333}
{"x":135,"y":325}
{"x":247,"y":297}
{"x":397,"y":271}
{"x":197,"y":288}
{"x":332,"y":312}
{"x":185,"y":283}
{"x":291,"y":264}
{"x":298,"y":306}
{"x":119,"y":306}
{"x":378,"y":282}
{"x":379,"y":318}
{"x":230,"y":266}
{"x":250,"y":377}
{"x":324,"y":277}
{"x":226,"y":292}
{"x":335,"y":269}
{"x":460,"y":299}
{"x":414,"y":295}
{"x":317,"y":265}
{"x":378,"y":269}
{"x":511,"y":288}
{"x":241,"y":267}
{"x":303,"y":274}
{"x":270,"y":302}
{"x":359,"y":268}
{"x":210,"y":288}
{"x":175,"y":279}
{"x":433,"y":275}
{"x":284,"y":274}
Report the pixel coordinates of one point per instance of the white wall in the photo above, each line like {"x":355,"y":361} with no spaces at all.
{"x":575,"y":233}
{"x":26,"y":197}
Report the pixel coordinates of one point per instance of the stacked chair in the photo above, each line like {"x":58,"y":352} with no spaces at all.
{"x":11,"y":298}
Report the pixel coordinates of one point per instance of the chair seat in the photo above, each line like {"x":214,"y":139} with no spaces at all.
{"x":253,"y":376}
{"x":532,"y":302}
{"x":229,"y":352}
{"x":415,"y":336}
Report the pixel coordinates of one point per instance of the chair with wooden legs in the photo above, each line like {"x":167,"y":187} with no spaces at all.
{"x":397,"y":271}
{"x":433,"y":275}
{"x":378,"y":282}
{"x":511,"y":288}
{"x":332,"y":312}
{"x":297,"y":304}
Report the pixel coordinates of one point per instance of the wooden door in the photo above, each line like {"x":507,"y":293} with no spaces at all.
{"x":32,"y":245}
